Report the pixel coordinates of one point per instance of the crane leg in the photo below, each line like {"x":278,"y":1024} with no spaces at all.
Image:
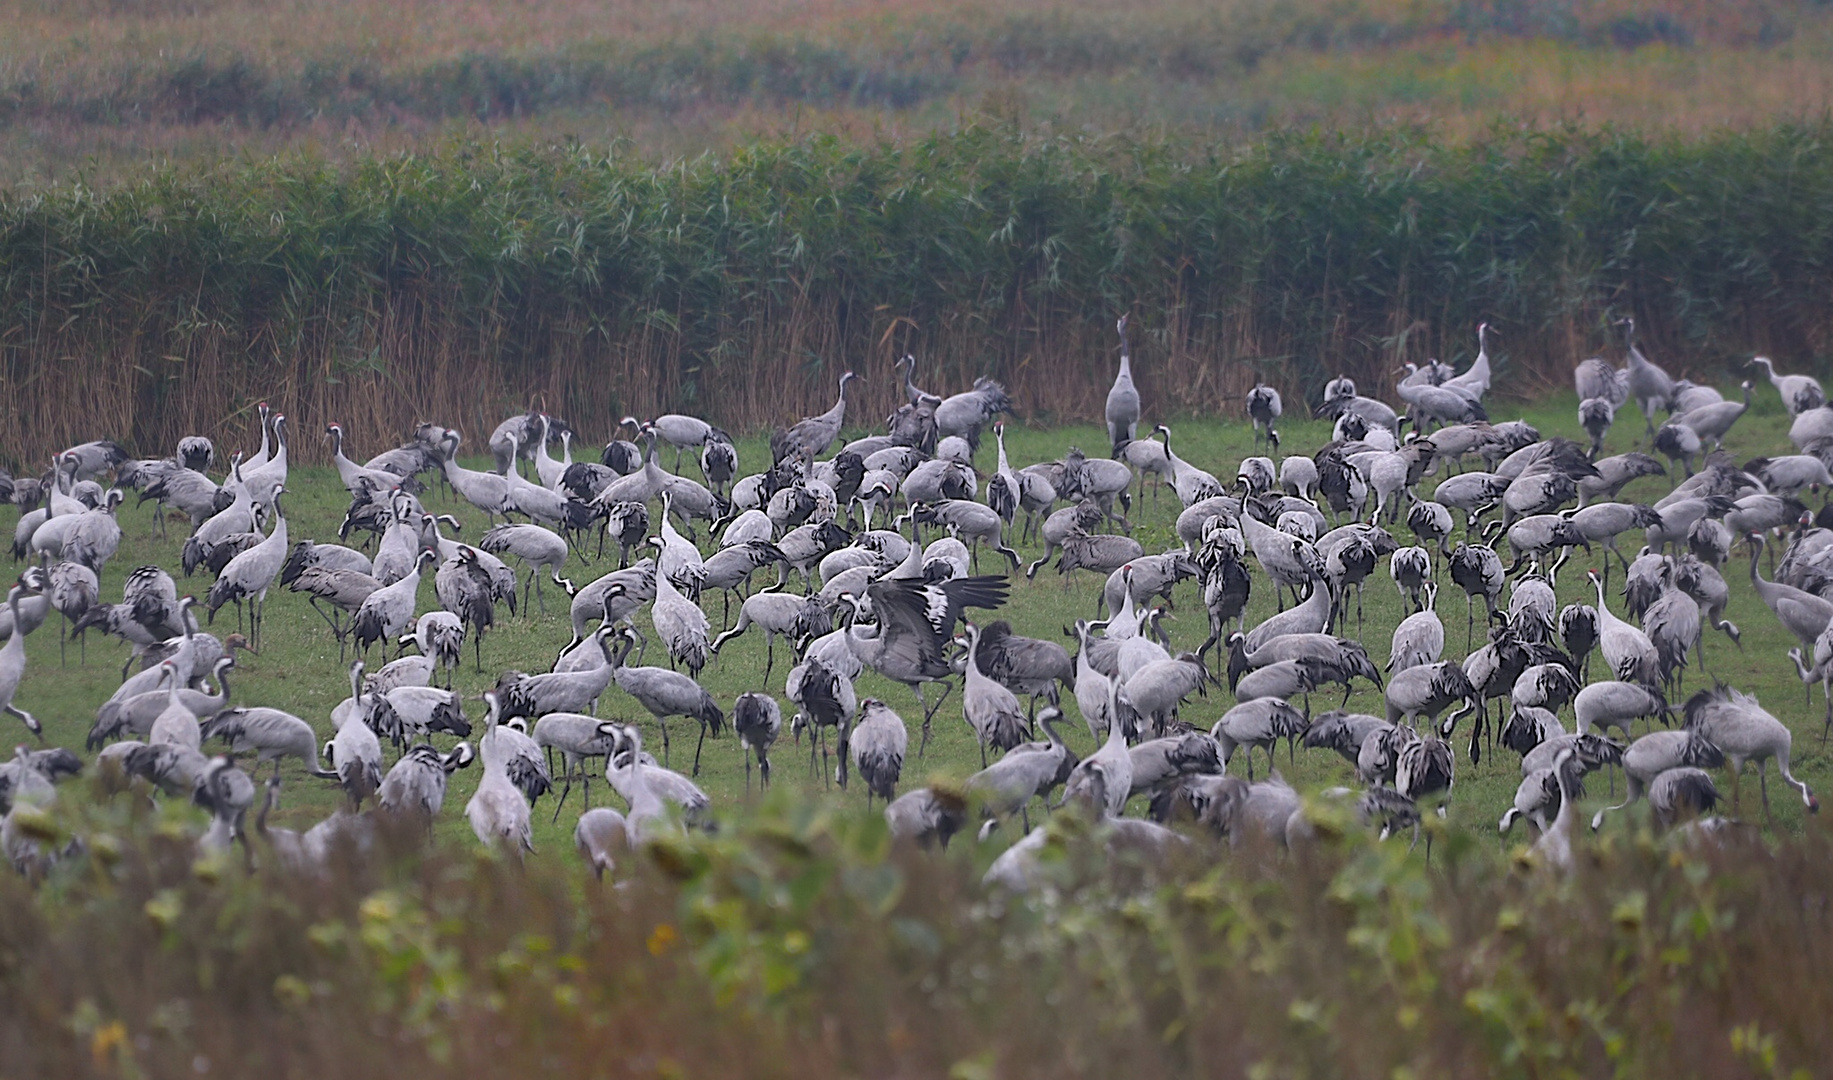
{"x":697,"y":747}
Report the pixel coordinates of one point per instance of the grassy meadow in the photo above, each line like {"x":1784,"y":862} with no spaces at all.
{"x":94,"y":88}
{"x":299,"y":669}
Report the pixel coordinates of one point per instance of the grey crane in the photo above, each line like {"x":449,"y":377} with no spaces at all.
{"x":91,"y":459}
{"x":402,"y":713}
{"x":878,"y":743}
{"x":1801,"y":613}
{"x":1471,"y":492}
{"x":927,"y":817}
{"x":1340,"y":398}
{"x":417,"y":782}
{"x":962,"y":415}
{"x":1595,"y":377}
{"x":355,"y":476}
{"x":498,"y":812}
{"x":1714,"y":420}
{"x":821,"y":687}
{"x":1811,"y":426}
{"x":1604,"y":522}
{"x":1478,"y":571}
{"x":667,"y":693}
{"x":440,"y":637}
{"x":811,"y":436}
{"x":1431,"y":522}
{"x":1685,"y":792}
{"x":1260,"y":723}
{"x":654,"y":794}
{"x":1411,"y":569}
{"x":990,"y":709}
{"x":1102,"y":553}
{"x":1537,"y":799}
{"x":388,"y":611}
{"x":1147,"y":576}
{"x":136,"y":712}
{"x":1263,"y":409}
{"x":579,"y":738}
{"x":1280,"y":679}
{"x":1342,"y":732}
{"x":1615,"y":473}
{"x":1673,"y":627}
{"x":72,"y":589}
{"x":488,"y":491}
{"x":1290,"y":562}
{"x":1437,"y":405}
{"x":598,"y":837}
{"x":615,"y":597}
{"x":270,"y":733}
{"x":1226,"y":590}
{"x":12,"y":660}
{"x":354,"y":754}
{"x":1595,"y":415}
{"x":1427,"y":690}
{"x":344,"y":590}
{"x":1545,"y":686}
{"x":1678,"y":442}
{"x":1531,"y":538}
{"x":1156,"y":689}
{"x":1628,"y":651}
{"x":1617,"y":704}
{"x":467,"y":588}
{"x":1312,"y":616}
{"x":1533,"y":610}
{"x":1420,"y":637}
{"x":1791,"y":474}
{"x":1708,"y":590}
{"x":560,"y":691}
{"x":1024,"y":665}
{"x":1709,"y":540}
{"x":1123,"y":397}
{"x":686,"y":432}
{"x":971,"y":521}
{"x":641,"y":484}
{"x":1101,"y":480}
{"x":1657,"y":753}
{"x":1738,"y":725}
{"x":1103,"y":780}
{"x":1688,"y":397}
{"x":1028,"y":770}
{"x":779,"y":615}
{"x":254,"y":571}
{"x":915,"y":620}
{"x":757,"y":719}
{"x":308,"y":554}
{"x":681,"y":625}
{"x":228,"y":794}
{"x":537,"y":548}
{"x":1648,"y":384}
{"x":1800,"y":393}
{"x":1554,"y":847}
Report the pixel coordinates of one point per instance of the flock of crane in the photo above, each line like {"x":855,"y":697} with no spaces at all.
{"x":826,"y":551}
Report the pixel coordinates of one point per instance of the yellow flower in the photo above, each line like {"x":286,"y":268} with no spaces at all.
{"x":106,"y":1039}
{"x":661,"y":939}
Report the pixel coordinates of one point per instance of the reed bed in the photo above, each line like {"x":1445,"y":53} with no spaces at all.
{"x":463,"y":284}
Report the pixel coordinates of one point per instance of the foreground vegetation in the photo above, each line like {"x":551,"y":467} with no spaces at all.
{"x":798,"y":942}
{"x":461,"y":285}
{"x":96,"y":85}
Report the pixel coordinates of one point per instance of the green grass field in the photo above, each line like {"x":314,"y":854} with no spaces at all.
{"x":298,"y":669}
